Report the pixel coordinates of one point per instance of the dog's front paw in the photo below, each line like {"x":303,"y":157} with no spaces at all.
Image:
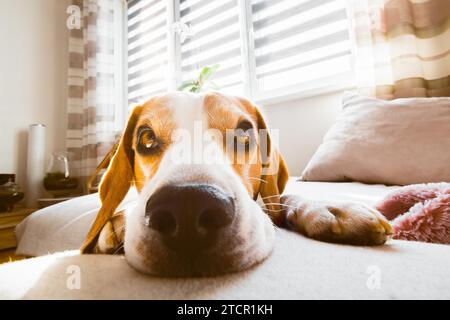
{"x":349,"y":223}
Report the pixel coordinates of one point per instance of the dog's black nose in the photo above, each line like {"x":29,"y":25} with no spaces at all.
{"x":189,"y":217}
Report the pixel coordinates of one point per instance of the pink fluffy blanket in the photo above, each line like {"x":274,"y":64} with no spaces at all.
{"x":419,"y":212}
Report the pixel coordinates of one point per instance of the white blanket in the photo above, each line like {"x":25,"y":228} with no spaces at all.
{"x":299,"y":268}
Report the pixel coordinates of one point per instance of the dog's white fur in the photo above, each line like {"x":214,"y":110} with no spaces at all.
{"x":250,"y":238}
{"x":254,"y":230}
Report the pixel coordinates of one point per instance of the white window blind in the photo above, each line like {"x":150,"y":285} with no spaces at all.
{"x":299,"y":41}
{"x":215,"y":40}
{"x":264,"y":48}
{"x":147,"y":49}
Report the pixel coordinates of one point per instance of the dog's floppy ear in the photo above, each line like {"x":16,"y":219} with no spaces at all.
{"x":115,"y":182}
{"x":274,"y":174}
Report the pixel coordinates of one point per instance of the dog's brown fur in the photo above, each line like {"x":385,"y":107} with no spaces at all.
{"x":344,"y":223}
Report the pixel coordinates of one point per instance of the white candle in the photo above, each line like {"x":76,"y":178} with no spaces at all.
{"x":35,"y":164}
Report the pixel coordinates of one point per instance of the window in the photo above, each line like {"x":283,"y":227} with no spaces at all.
{"x":216,"y":40}
{"x":298,"y":42}
{"x":264,"y":48}
{"x":147,"y":48}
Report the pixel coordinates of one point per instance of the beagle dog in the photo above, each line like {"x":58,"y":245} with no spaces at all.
{"x":211,"y":214}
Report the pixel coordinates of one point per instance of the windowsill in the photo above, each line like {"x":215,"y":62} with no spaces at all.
{"x":327,"y":86}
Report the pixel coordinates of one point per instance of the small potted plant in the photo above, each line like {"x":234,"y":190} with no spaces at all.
{"x":203,"y":80}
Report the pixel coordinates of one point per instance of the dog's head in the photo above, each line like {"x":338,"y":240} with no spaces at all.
{"x":199,"y":162}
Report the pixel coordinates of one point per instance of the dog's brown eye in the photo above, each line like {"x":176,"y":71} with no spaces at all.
{"x":147,"y":141}
{"x":244,"y":132}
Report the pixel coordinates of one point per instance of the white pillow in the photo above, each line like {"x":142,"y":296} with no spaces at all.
{"x":398,"y":142}
{"x":62,"y":226}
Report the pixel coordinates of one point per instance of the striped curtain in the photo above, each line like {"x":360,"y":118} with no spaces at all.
{"x":92,"y":86}
{"x":403,"y":47}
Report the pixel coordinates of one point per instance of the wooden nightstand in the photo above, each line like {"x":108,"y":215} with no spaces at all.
{"x":8,"y":222}
{"x":47,"y":202}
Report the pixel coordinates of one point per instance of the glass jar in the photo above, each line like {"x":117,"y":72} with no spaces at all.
{"x":58,"y":180}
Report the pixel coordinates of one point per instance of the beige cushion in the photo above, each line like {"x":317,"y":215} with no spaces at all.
{"x":400,"y":142}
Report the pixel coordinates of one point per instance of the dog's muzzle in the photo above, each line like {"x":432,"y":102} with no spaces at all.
{"x":189,"y":217}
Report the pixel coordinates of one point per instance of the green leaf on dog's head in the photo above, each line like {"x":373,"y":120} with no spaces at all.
{"x":186,"y":86}
{"x":207,"y":72}
{"x":203,"y":78}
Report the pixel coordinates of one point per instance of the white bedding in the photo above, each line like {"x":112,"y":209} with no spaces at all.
{"x":60,"y":227}
{"x":65,"y":225}
{"x":299,"y":268}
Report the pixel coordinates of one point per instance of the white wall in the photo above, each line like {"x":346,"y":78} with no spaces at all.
{"x":33,"y":67}
{"x":302,"y":124}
